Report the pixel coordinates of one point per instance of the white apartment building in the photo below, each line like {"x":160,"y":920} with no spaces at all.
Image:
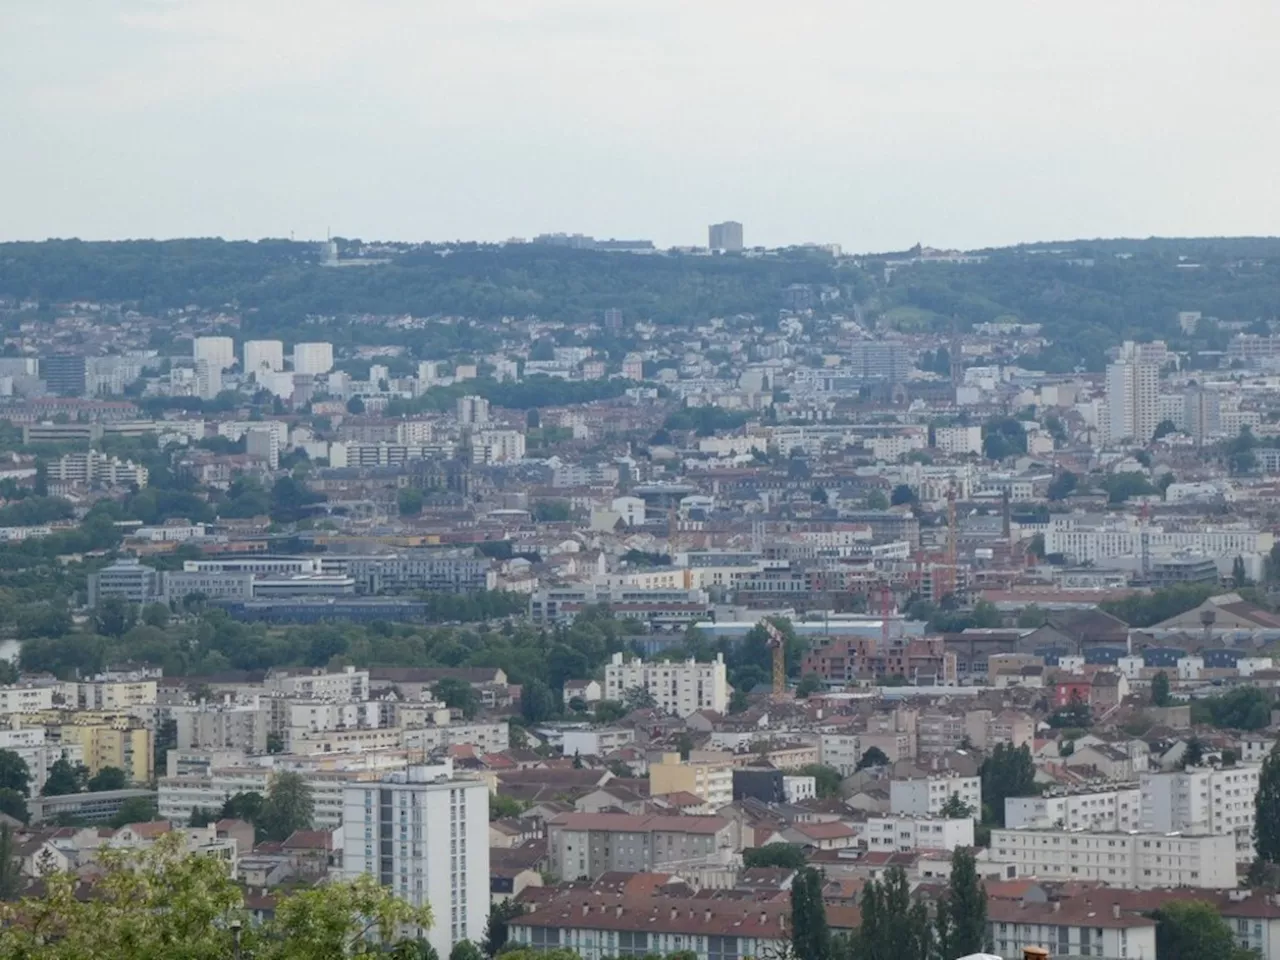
{"x":1076,"y":928}
{"x":37,"y":753}
{"x":260,"y":355}
{"x":25,"y":699}
{"x":264,"y":445}
{"x":218,"y":352}
{"x":958,"y":440}
{"x":1141,"y":860}
{"x":111,"y":694}
{"x":485,"y":737}
{"x":926,"y":796}
{"x":395,"y":830}
{"x":799,"y":789}
{"x":93,"y":467}
{"x":1092,"y":537}
{"x":1114,"y":810}
{"x":677,"y":687}
{"x":225,"y":725}
{"x":312,"y":359}
{"x":497,"y":446}
{"x":903,"y":834}
{"x":346,"y":685}
{"x":1133,"y":400}
{"x":472,"y":411}
{"x":1203,"y":800}
{"x":840,"y":751}
{"x":598,"y":742}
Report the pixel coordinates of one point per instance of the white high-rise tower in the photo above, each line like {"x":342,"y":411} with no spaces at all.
{"x":1133,"y":400}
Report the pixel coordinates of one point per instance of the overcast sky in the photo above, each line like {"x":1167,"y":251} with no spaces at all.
{"x":871,"y":124}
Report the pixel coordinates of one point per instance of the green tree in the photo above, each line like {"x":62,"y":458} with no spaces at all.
{"x":955,"y":808}
{"x":243,"y":806}
{"x":409,"y":500}
{"x":876,"y":500}
{"x":638,"y":698}
{"x":809,"y":683}
{"x":810,"y":936}
{"x":10,"y":865}
{"x":1238,"y":576}
{"x":902,"y":494}
{"x":1160,"y":695}
{"x":14,"y":773}
{"x":465,"y":950}
{"x":288,"y":806}
{"x":458,"y":695}
{"x":113,"y":617}
{"x":497,"y":929}
{"x":502,"y":806}
{"x":1266,"y":822}
{"x":826,"y":779}
{"x":1062,"y":485}
{"x":134,"y":810}
{"x":537,"y":702}
{"x":608,"y":711}
{"x":108,"y":778}
{"x":14,"y":804}
{"x":872,"y":757}
{"x":1194,"y":930}
{"x":1007,"y":772}
{"x":1031,"y":616}
{"x":965,"y":907}
{"x":894,"y":927}
{"x":787,"y":855}
{"x":155,"y":615}
{"x":63,"y":779}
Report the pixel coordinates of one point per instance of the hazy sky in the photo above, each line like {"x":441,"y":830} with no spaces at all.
{"x":871,"y":124}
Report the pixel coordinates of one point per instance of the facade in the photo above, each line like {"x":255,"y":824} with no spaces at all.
{"x":725,"y":236}
{"x":1075,"y":928}
{"x":1140,"y":860}
{"x":1202,"y":414}
{"x":926,"y":796}
{"x":1114,"y":810}
{"x":263,"y":355}
{"x":497,"y":446}
{"x":218,"y":352}
{"x":92,"y":467}
{"x":1133,"y":400}
{"x":1094,"y":538}
{"x":236,"y":726}
{"x":472,"y":411}
{"x":712,"y":781}
{"x":312,"y":359}
{"x":125,"y":744}
{"x":902,"y":834}
{"x":434,"y":571}
{"x":680,"y":688}
{"x":880,"y":360}
{"x":264,"y":445}
{"x":64,"y":374}
{"x":395,"y":830}
{"x":25,"y":699}
{"x":1203,"y":800}
{"x":348,"y":684}
{"x":586,"y":845}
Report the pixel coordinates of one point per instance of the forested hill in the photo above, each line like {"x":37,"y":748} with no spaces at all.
{"x":1089,"y":294}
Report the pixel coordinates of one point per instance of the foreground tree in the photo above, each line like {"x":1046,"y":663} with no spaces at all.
{"x":1007,"y":772}
{"x":962,"y":913}
{"x":288,"y":807}
{"x":160,"y":904}
{"x":810,"y":937}
{"x":1266,"y":824}
{"x":1160,"y":690}
{"x":894,"y":927}
{"x":1193,"y":930}
{"x":498,"y":929}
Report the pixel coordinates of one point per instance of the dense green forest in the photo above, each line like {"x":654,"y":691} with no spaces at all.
{"x":1087,"y":294}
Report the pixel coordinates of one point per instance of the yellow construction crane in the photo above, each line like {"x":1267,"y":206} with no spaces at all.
{"x":778,"y":644}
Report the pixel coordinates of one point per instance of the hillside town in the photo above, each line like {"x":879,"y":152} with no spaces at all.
{"x":750,"y":613}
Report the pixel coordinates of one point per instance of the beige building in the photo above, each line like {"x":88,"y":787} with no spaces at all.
{"x":124,"y":744}
{"x":112,"y":695}
{"x":681,"y":688}
{"x":710,"y":780}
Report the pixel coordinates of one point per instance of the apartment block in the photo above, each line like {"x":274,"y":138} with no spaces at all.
{"x":225,"y":725}
{"x":1203,"y":800}
{"x":711,"y":780}
{"x":926,"y":796}
{"x":25,"y":699}
{"x":1074,"y":928}
{"x":124,"y":744}
{"x":680,"y":688}
{"x":585,"y":845}
{"x":346,"y":685}
{"x":1116,"y":810}
{"x":903,"y":834}
{"x":424,"y":835}
{"x":1141,"y":860}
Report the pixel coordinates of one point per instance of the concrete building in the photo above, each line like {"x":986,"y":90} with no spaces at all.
{"x":681,"y":688}
{"x":497,"y":446}
{"x":208,"y":379}
{"x":925,"y":796}
{"x":435,"y":571}
{"x":725,"y":236}
{"x":880,"y":360}
{"x":710,"y":780}
{"x":1133,"y":400}
{"x":1141,"y":860}
{"x":1216,"y":800}
{"x":958,"y":440}
{"x":585,"y":845}
{"x":263,"y":355}
{"x":472,"y":411}
{"x":20,"y":698}
{"x":395,"y":830}
{"x":124,"y":743}
{"x":1078,"y":927}
{"x":904,"y":834}
{"x":596,"y":742}
{"x":348,"y":684}
{"x":219,"y":352}
{"x":127,"y":579}
{"x":92,"y":467}
{"x":312,"y":359}
{"x":226,"y":725}
{"x":64,"y":374}
{"x":1111,"y":811}
{"x":264,"y":445}
{"x":1092,"y":537}
{"x":1202,"y":413}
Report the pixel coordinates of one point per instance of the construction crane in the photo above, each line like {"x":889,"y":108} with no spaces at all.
{"x":778,"y":644}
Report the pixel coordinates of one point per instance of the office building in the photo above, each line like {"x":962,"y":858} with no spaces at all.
{"x":64,"y":374}
{"x":220,"y":352}
{"x":472,"y":410}
{"x":1133,"y":400}
{"x":1217,"y":800}
{"x":435,"y":571}
{"x":312,"y":359}
{"x":263,"y":444}
{"x":395,"y":830}
{"x":678,"y":687}
{"x":725,"y":236}
{"x":127,"y":579}
{"x":880,"y":360}
{"x":208,"y":379}
{"x":263,"y":355}
{"x":1140,"y":860}
{"x":1202,"y":413}
{"x":925,"y":796}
